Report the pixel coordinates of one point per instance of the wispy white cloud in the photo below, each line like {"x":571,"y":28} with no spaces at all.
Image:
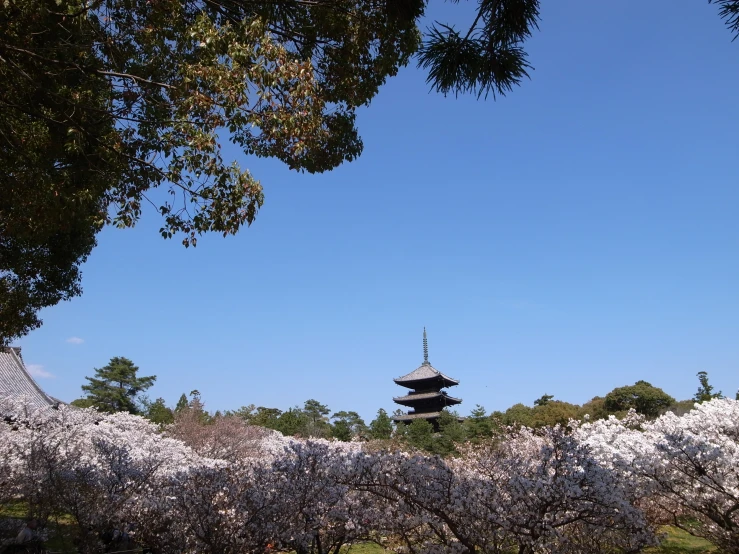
{"x":38,"y":371}
{"x":75,"y":340}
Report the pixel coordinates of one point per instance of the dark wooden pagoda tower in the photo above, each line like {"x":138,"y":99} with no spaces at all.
{"x":426,"y":398}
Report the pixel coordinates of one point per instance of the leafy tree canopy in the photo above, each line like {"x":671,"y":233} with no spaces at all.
{"x":548,"y":413}
{"x":595,"y":408}
{"x":554,"y":412}
{"x":115,"y":387}
{"x":642,"y":396}
{"x":105,"y":101}
{"x":518,"y":414}
{"x":309,"y":421}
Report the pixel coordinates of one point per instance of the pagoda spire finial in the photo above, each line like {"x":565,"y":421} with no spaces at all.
{"x":425,"y":348}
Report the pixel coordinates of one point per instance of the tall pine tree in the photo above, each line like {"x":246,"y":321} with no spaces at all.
{"x":705,"y":391}
{"x":182,"y":404}
{"x":382,"y":426}
{"x":114,"y":388}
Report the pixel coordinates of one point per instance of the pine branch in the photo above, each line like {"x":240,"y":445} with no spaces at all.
{"x":729,"y":12}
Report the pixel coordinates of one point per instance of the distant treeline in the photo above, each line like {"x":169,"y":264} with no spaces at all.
{"x":116,"y":387}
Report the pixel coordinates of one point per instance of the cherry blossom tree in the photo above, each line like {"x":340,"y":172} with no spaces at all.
{"x":695,"y":469}
{"x":532,"y":492}
{"x":685,"y":467}
{"x":222,"y":488}
{"x":224,"y":437}
{"x":85,"y":464}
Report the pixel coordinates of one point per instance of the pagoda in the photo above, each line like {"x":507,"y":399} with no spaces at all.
{"x":426,"y":397}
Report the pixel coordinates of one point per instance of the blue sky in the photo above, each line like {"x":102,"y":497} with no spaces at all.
{"x":578,"y":235}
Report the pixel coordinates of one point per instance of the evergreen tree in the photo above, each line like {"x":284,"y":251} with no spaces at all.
{"x":341,"y":431}
{"x":347,"y":425}
{"x":315,"y":411}
{"x":197,"y":406}
{"x":316,"y":420}
{"x":420,"y":434}
{"x":705,"y":391}
{"x":265,"y":417}
{"x":543,"y":400}
{"x":115,"y":387}
{"x":82,"y":403}
{"x":382,"y":426}
{"x":292,"y":422}
{"x":158,"y":412}
{"x":245,"y":412}
{"x":181,"y":403}
{"x":478,"y":425}
{"x":451,"y":432}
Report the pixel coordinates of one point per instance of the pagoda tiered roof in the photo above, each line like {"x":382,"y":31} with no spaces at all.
{"x":430,"y":416}
{"x":425,"y":374}
{"x":413,"y":398}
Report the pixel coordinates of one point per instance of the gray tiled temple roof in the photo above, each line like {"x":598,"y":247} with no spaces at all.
{"x":15,"y":381}
{"x":424,"y":372}
{"x":427,"y":396}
